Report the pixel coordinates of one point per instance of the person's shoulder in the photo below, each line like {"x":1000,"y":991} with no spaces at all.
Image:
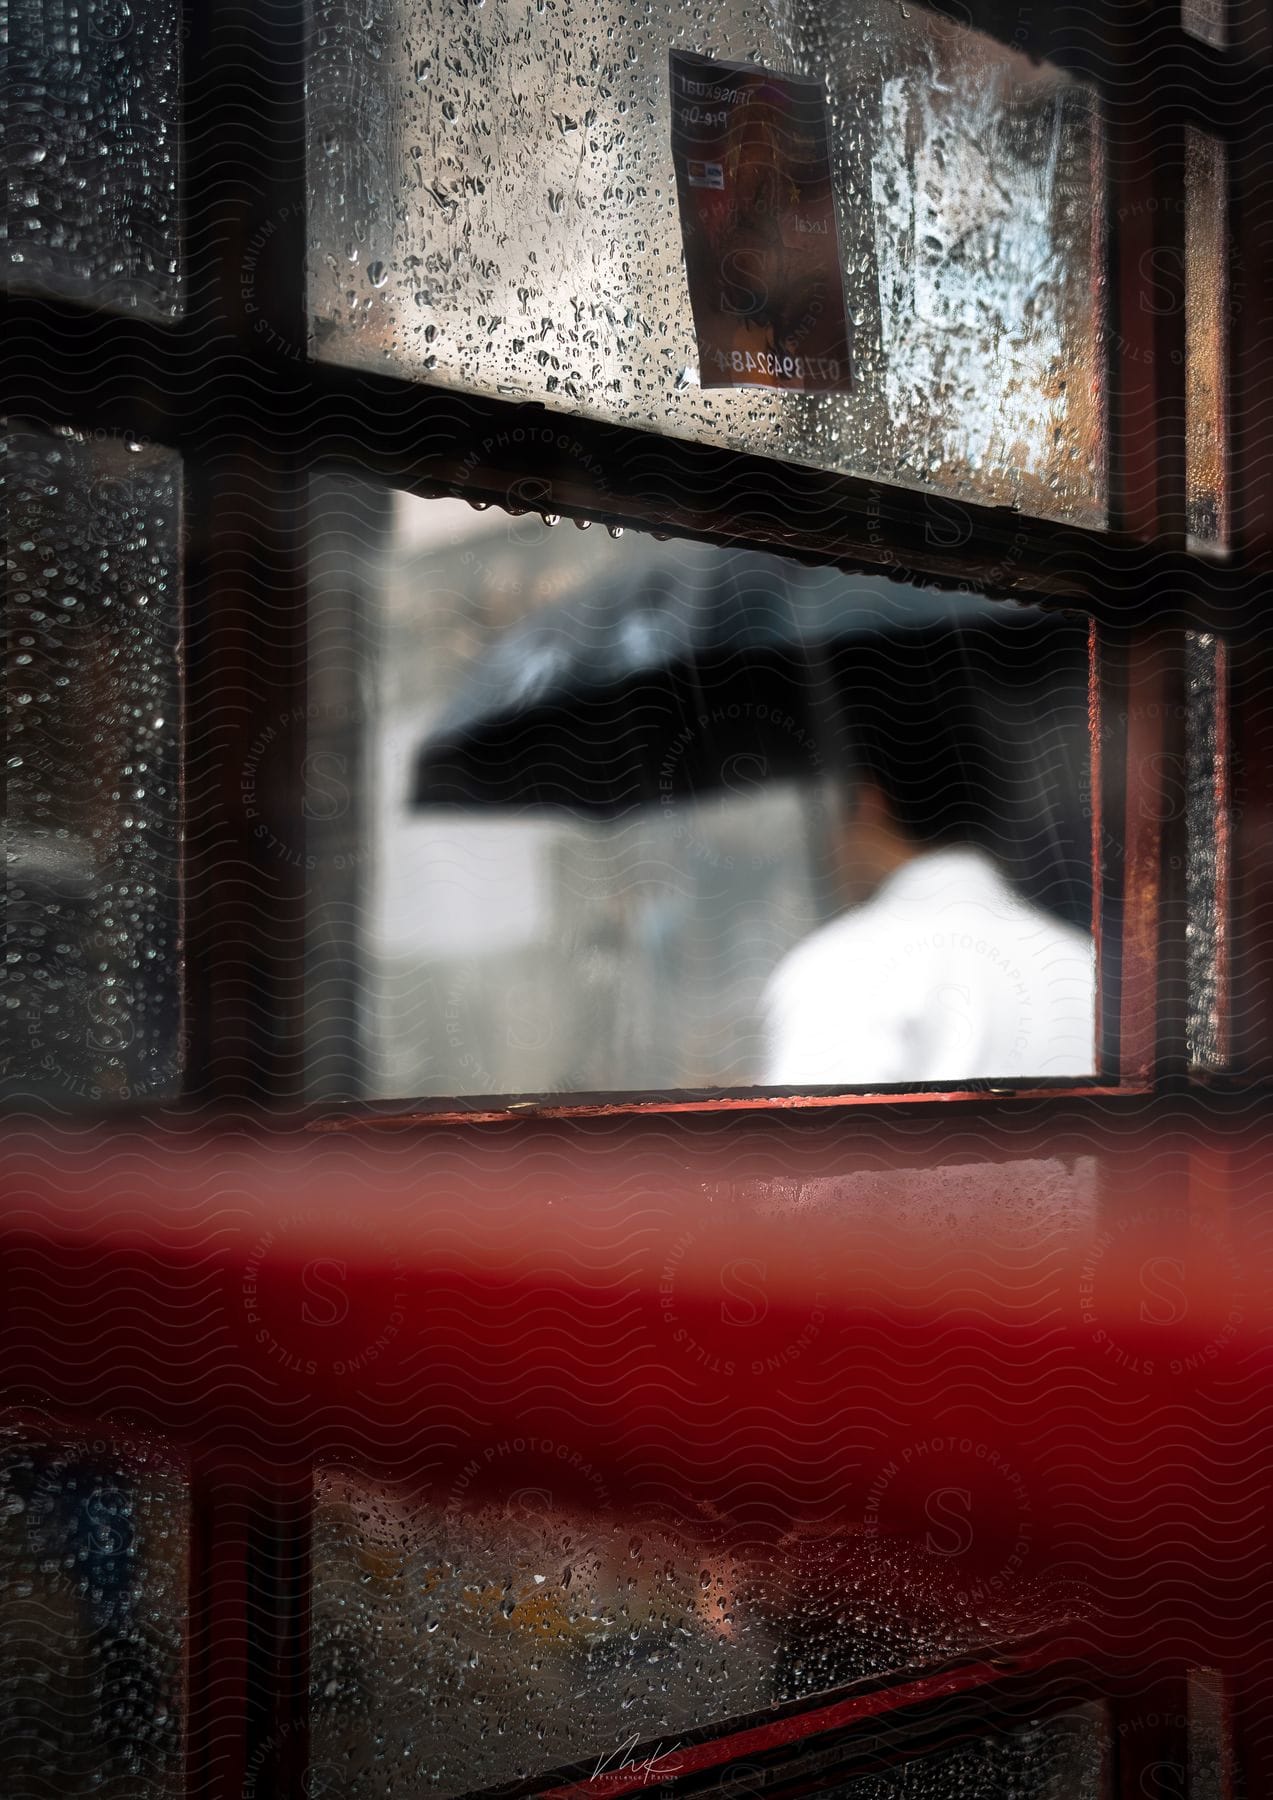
{"x":991,"y":890}
{"x":1050,"y":933}
{"x":841,"y":949}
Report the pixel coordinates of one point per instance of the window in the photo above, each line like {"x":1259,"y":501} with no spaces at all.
{"x":94,"y":1553}
{"x":967,"y":175}
{"x":93,"y":719}
{"x":1206,"y":339}
{"x":435,"y":718}
{"x":604,"y":816}
{"x":94,"y":177}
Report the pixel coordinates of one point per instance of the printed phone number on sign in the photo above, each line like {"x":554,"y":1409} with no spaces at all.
{"x":767,"y":362}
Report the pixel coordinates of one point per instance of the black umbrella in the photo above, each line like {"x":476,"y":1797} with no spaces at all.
{"x":711,"y":670}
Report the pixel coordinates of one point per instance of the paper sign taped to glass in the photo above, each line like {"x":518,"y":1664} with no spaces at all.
{"x":752,"y":154}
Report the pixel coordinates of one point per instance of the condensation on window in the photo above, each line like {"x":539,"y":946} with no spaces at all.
{"x":1206,"y":341}
{"x":1206,"y":19}
{"x":1210,"y":1740}
{"x":1066,"y":1757}
{"x":510,"y":1623}
{"x":1207,"y":851}
{"x":93,"y":95}
{"x":94,"y":1585}
{"x":493,"y":208}
{"x":91,"y":1009}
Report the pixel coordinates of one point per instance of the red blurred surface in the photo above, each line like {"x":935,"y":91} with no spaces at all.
{"x":1067,"y":1328}
{"x":1026,"y":1350}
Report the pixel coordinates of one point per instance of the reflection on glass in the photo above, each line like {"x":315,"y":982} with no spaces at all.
{"x":1206,"y":341}
{"x":91,"y":798}
{"x":1206,"y":19}
{"x":640,"y":815}
{"x":94,"y":1577}
{"x":92,"y":100}
{"x":493,"y":206}
{"x":459,"y":1644}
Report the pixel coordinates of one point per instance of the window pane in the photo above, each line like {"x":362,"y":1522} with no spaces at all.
{"x":1064,"y":1758}
{"x":1206,"y":340}
{"x":1207,"y":870}
{"x":93,"y":99}
{"x":1211,"y":1770}
{"x":478,"y":1638}
{"x":94,"y":1579}
{"x":1206,"y":19}
{"x":493,"y":206}
{"x":588,"y":815}
{"x":91,"y":690}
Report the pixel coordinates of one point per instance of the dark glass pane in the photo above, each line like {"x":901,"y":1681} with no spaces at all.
{"x":1066,"y":1758}
{"x":91,"y":749}
{"x":94,"y":1546}
{"x":92,"y":100}
{"x":1208,"y":831}
{"x":514,"y":1622}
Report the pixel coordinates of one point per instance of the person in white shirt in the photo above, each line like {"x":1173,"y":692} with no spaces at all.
{"x":938,"y":971}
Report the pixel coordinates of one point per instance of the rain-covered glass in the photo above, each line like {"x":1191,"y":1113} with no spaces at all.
{"x":92,"y":97}
{"x":92,"y":626}
{"x":1211,"y":1759}
{"x":511,"y":1624}
{"x":1206,"y":19}
{"x":1208,"y":824}
{"x":94,"y":1580}
{"x":1065,"y":1757}
{"x":589,"y":815}
{"x":493,"y":207}
{"x":1206,"y":341}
